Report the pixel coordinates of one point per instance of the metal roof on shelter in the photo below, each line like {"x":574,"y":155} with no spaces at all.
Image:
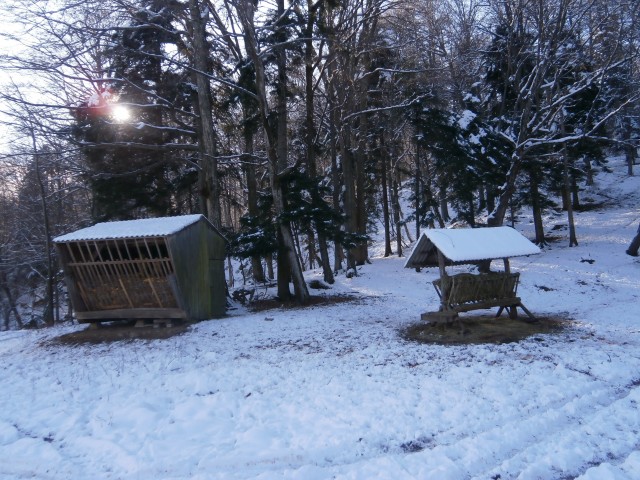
{"x":147,"y":227}
{"x":469,"y":245}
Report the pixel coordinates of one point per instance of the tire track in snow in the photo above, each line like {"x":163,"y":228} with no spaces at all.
{"x":606,"y":434}
{"x":520,"y":448}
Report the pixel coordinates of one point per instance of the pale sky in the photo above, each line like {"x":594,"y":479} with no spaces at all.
{"x":6,"y":47}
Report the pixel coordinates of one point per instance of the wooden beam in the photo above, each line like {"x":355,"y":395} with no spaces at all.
{"x":443,"y":274}
{"x":132,"y":313}
{"x":507,"y":268}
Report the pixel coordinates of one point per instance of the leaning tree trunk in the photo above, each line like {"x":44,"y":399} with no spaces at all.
{"x":496,"y":217}
{"x":276,"y":143}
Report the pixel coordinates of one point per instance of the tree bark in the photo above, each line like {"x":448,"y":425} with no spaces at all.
{"x":442,"y":196}
{"x":417,"y":189}
{"x":496,"y":217}
{"x":537,"y":210}
{"x":310,"y":140}
{"x":208,"y":175}
{"x":395,"y":202}
{"x":276,"y":143}
{"x":48,"y":311}
{"x":573,"y":239}
{"x":385,"y":198}
{"x":252,"y":195}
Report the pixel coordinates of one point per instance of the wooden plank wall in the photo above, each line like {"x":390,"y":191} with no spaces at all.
{"x":122,"y":274}
{"x":198,"y":255}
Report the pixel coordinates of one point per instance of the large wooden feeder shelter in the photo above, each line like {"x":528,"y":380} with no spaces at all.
{"x":157,"y":268}
{"x":464,"y":292}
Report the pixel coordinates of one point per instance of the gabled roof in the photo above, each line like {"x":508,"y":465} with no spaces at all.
{"x":148,"y":227}
{"x":466,"y":245}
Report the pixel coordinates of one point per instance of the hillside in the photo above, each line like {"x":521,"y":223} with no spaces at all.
{"x":336,"y":391}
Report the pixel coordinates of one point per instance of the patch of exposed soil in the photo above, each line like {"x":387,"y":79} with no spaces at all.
{"x":473,"y":330}
{"x":272,"y":303}
{"x":119,"y":331}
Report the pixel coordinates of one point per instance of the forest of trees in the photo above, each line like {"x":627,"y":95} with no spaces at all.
{"x":297,"y":127}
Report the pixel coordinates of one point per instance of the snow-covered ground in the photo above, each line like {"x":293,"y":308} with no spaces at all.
{"x":334,"y":391}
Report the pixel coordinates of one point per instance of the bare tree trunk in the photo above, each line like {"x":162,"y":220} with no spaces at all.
{"x":276,"y":143}
{"x":231,"y":281}
{"x":338,"y":256}
{"x":385,"y":198}
{"x":330,"y":77}
{"x":418,"y":190}
{"x":209,"y":183}
{"x":283,"y":270}
{"x":406,"y":228}
{"x":564,"y":197}
{"x":496,"y":217}
{"x":296,"y":239}
{"x":588,"y":170}
{"x":490,"y":203}
{"x":12,"y":303}
{"x":630,"y":151}
{"x":310,"y":138}
{"x":575,"y":191}
{"x":269,"y":261}
{"x":252,"y":195}
{"x":349,"y":190}
{"x":395,"y":202}
{"x":361,"y":252}
{"x":573,"y":239}
{"x":48,"y":311}
{"x":537,"y":210}
{"x":444,"y":208}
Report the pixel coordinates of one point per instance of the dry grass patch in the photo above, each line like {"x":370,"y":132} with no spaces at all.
{"x":119,"y":331}
{"x":484,"y":329}
{"x":314,"y":301}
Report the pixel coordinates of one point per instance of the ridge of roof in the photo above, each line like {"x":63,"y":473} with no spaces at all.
{"x":145,"y":227}
{"x":470,"y":244}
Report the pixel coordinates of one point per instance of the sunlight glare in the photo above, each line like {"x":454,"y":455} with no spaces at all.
{"x":120,"y":113}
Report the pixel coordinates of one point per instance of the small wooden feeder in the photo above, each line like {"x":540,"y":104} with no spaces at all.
{"x":157,"y":268}
{"x":465,"y":291}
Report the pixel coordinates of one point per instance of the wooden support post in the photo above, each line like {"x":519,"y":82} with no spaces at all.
{"x":443,"y":274}
{"x":507,"y":268}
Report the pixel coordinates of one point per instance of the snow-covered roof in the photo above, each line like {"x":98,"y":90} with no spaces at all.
{"x":147,"y":227}
{"x":468,"y":245}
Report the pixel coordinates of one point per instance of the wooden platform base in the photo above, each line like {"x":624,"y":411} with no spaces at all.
{"x":156,"y":323}
{"x":439,"y":317}
{"x":451,"y":315}
{"x":131,"y":314}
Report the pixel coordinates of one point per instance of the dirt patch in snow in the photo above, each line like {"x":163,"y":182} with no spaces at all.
{"x":484,"y":329}
{"x":273,"y":303}
{"x":119,"y":331}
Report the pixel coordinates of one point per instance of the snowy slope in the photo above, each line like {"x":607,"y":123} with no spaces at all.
{"x":335,"y":391}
